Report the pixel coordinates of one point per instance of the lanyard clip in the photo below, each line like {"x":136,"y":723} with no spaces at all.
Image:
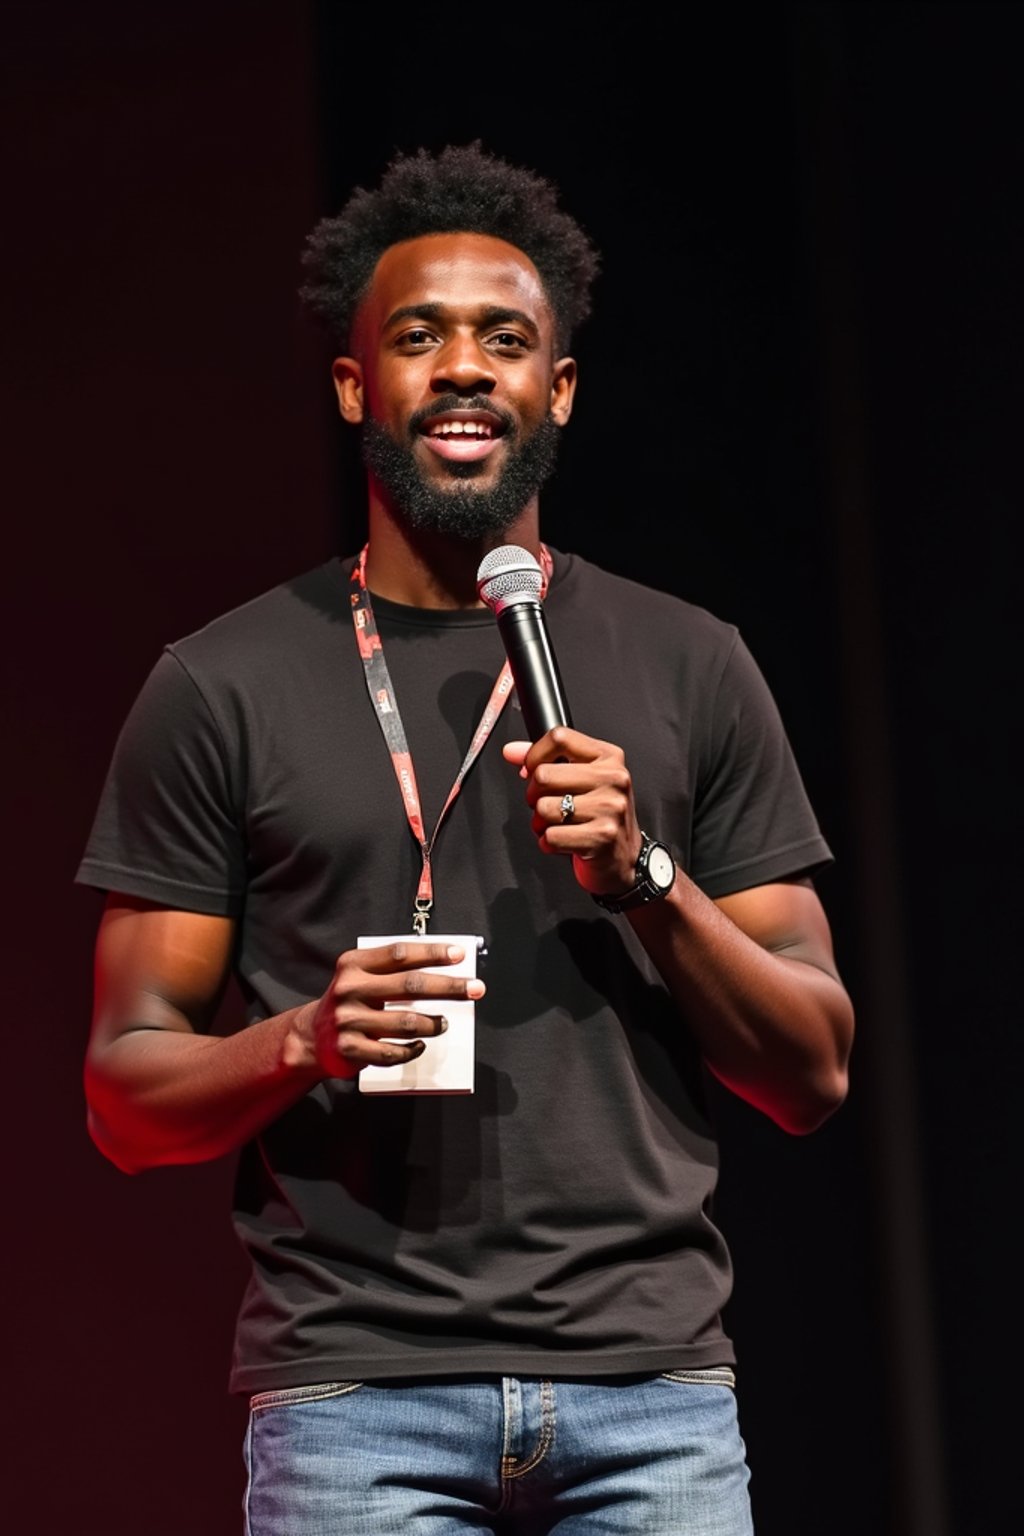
{"x":421,"y":916}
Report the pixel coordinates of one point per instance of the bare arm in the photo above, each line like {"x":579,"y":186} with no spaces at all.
{"x":755,"y":977}
{"x":161,"y":1091}
{"x":753,"y":973}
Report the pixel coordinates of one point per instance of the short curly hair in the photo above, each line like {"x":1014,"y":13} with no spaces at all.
{"x":460,"y":189}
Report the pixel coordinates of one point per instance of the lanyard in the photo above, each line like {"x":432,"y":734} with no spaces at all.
{"x":382,"y":697}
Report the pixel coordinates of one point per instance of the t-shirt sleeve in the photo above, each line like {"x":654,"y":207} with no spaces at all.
{"x":168,"y":827}
{"x":753,"y":822}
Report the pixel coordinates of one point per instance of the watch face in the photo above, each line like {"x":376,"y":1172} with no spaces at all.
{"x":661,"y":868}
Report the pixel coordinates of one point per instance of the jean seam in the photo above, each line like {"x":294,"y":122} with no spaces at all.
{"x":710,"y":1376}
{"x":288,"y":1397}
{"x":509,"y":1466}
{"x":249,"y":1468}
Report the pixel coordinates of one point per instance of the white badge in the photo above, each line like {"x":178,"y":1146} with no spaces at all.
{"x":447,"y":1061}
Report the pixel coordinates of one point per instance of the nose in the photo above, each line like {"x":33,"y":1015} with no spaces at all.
{"x":464,"y":367}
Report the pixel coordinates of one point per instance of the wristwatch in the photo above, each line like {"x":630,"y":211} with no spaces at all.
{"x":655,"y":876}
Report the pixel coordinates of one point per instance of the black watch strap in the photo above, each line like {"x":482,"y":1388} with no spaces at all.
{"x":650,"y":885}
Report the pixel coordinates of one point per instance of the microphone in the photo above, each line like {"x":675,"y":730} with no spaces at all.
{"x":509,"y":582}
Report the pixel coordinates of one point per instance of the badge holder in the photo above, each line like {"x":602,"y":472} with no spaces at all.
{"x":447,"y":1061}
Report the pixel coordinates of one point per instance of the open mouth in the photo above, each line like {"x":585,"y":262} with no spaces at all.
{"x":462,"y":435}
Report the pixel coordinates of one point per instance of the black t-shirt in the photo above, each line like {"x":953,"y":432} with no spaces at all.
{"x":558,"y":1221}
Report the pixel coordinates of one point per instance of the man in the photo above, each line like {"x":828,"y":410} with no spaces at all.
{"x":496,"y":1310}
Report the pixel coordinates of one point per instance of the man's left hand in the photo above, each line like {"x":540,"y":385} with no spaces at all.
{"x":582,"y":798}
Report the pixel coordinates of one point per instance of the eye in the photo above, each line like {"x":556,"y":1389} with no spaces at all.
{"x":416,"y":339}
{"x":508,"y":341}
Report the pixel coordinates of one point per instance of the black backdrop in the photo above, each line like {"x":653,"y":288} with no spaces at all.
{"x":795,"y":409}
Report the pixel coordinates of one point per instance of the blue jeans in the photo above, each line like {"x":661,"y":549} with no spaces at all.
{"x":650,"y":1456}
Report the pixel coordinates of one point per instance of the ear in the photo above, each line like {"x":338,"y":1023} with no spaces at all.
{"x":348,"y":384}
{"x":563,"y":389}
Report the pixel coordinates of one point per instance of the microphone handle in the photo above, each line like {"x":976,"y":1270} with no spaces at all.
{"x":534,"y":669}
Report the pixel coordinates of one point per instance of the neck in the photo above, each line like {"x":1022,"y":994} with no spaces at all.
{"x":433,"y":570}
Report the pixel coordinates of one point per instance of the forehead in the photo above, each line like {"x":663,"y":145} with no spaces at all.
{"x":457,"y":271}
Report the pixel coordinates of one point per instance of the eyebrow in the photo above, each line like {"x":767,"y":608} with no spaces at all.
{"x":492,"y":314}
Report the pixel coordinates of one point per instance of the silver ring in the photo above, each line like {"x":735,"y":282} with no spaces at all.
{"x":568,"y":807}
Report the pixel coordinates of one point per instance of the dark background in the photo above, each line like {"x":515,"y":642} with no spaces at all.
{"x":796,"y":409}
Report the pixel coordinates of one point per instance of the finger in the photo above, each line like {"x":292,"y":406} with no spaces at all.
{"x":355,"y":1050}
{"x":586,"y":842}
{"x":590,"y":784}
{"x":402,"y":1024}
{"x":404,"y":955}
{"x":549,"y":811}
{"x":514,"y":752}
{"x":419,"y":984}
{"x":564,"y":742}
{"x":552,"y":781}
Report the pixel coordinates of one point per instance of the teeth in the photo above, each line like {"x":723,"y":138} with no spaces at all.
{"x":461,"y":429}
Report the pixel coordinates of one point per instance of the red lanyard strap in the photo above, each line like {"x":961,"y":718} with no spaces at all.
{"x":382,"y":697}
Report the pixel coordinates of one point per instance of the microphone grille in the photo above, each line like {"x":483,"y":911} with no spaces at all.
{"x":507,"y":573}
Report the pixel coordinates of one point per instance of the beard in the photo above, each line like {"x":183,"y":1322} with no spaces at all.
{"x":459,"y":508}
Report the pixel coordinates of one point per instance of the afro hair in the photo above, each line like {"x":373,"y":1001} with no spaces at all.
{"x":462,"y":189}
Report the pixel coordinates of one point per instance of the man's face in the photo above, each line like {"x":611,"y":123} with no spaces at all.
{"x":455,"y":383}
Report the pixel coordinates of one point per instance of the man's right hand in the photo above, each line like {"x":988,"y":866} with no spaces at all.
{"x":349,"y":1028}
{"x":161,"y":1089}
